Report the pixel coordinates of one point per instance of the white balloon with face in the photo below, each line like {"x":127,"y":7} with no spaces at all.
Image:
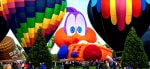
{"x":75,"y":23}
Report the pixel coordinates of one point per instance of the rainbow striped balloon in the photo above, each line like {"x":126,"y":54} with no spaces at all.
{"x":26,"y":16}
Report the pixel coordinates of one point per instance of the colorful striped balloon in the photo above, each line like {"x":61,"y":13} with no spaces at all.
{"x":4,"y":26}
{"x":131,"y":7}
{"x":26,"y":16}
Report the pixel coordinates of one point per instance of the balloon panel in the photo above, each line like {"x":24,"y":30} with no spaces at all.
{"x":3,"y":28}
{"x":26,"y":16}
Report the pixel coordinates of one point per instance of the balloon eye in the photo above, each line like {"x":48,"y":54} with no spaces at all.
{"x":79,"y":29}
{"x":81,"y":25}
{"x":70,"y":26}
{"x":72,"y":29}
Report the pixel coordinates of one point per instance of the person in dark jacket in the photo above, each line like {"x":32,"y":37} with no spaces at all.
{"x":67,"y":65}
{"x":43,"y":66}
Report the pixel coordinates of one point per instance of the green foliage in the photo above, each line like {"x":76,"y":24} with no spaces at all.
{"x":134,"y":54}
{"x":54,"y":57}
{"x":39,"y":52}
{"x":114,"y":54}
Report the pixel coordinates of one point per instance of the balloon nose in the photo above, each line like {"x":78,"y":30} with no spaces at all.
{"x":76,"y":40}
{"x":72,"y":41}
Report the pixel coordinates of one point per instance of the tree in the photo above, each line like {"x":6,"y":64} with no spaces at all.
{"x":39,"y":52}
{"x":134,"y":54}
{"x":54,"y":57}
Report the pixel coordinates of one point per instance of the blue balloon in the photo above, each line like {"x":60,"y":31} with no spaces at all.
{"x":74,"y":54}
{"x":93,"y":3}
{"x":63,"y":52}
{"x":143,"y":5}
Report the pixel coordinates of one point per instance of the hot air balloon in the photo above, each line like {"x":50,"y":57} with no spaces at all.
{"x":112,"y":19}
{"x":76,"y":39}
{"x":3,"y":26}
{"x":26,"y":16}
{"x":146,"y":41}
{"x":9,"y":50}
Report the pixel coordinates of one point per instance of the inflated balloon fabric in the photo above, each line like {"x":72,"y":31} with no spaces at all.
{"x":26,"y":16}
{"x":3,"y":28}
{"x":9,"y":51}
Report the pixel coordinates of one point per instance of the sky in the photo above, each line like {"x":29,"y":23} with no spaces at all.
{"x":80,"y":5}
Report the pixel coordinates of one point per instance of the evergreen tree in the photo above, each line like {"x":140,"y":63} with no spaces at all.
{"x":39,"y":52}
{"x":134,"y":54}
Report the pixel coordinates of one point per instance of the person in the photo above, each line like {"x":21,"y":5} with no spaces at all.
{"x":60,"y":65}
{"x":22,"y":65}
{"x":26,"y":65}
{"x":19,"y":65}
{"x":8,"y":65}
{"x":114,"y":65}
{"x":30,"y":65}
{"x":85,"y":64}
{"x":1,"y":65}
{"x":42,"y":66}
{"x":67,"y":65}
{"x":104,"y":65}
{"x":97,"y":64}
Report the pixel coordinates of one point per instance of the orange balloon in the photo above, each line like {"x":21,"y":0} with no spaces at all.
{"x":62,"y":38}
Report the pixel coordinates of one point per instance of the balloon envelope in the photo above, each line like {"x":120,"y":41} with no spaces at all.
{"x":26,"y":16}
{"x":3,"y":28}
{"x":110,"y":33}
{"x":146,"y":41}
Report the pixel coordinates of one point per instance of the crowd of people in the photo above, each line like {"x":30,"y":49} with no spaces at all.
{"x":86,"y":64}
{"x":17,"y":65}
{"x":65,"y":64}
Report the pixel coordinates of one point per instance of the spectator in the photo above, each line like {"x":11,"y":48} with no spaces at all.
{"x":30,"y":65}
{"x":43,"y":66}
{"x":67,"y":65}
{"x":26,"y":65}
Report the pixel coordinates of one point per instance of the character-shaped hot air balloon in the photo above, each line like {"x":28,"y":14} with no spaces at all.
{"x":112,"y":19}
{"x":26,"y":16}
{"x":77,"y":41}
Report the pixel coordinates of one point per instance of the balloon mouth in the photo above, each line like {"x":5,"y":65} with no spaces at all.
{"x":82,"y":42}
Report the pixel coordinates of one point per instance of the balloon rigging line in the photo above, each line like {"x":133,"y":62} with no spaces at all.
{"x":104,"y":29}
